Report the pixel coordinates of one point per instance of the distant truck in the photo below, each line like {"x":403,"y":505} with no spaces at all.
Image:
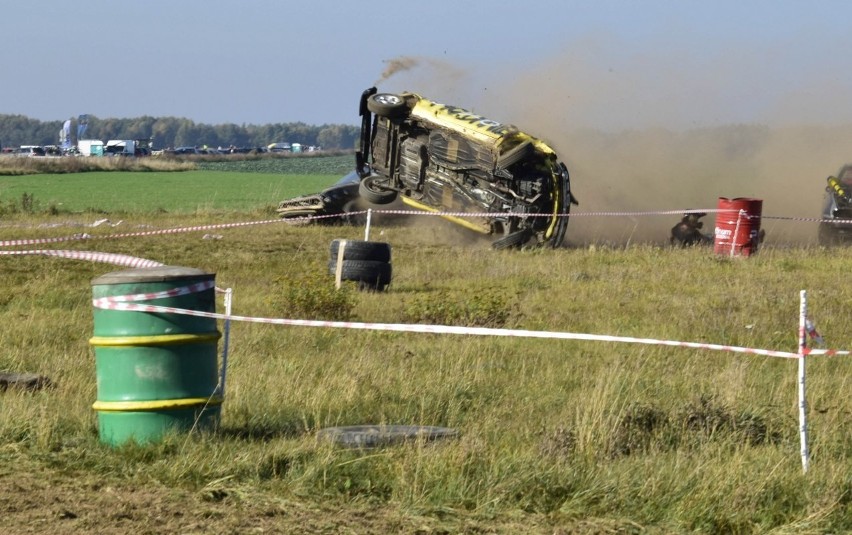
{"x":128,"y":147}
{"x":90,"y":147}
{"x":120,"y":147}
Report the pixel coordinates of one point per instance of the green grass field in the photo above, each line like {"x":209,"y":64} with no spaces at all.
{"x":555,"y":437}
{"x":244,"y":185}
{"x":148,"y":193}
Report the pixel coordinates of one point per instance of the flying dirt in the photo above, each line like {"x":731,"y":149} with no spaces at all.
{"x":650,"y":168}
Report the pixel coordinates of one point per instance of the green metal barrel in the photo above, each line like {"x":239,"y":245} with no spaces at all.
{"x":157,"y":372}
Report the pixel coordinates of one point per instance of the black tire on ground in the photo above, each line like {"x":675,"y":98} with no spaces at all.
{"x":513,"y":240}
{"x":387,"y":105}
{"x":370,"y":275}
{"x":372,"y":191}
{"x":361,"y":250}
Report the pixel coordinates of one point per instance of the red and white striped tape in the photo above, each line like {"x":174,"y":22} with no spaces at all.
{"x":91,"y":256}
{"x":84,"y":236}
{"x":124,"y":303}
{"x":514,"y":214}
{"x":179,"y":230}
{"x":101,"y":302}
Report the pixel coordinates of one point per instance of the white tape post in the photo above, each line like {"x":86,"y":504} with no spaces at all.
{"x":338,"y":268}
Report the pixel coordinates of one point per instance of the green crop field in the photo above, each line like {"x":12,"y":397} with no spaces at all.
{"x":227,"y":186}
{"x":180,"y":192}
{"x":554,"y":436}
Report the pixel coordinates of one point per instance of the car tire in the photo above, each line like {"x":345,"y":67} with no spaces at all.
{"x":387,"y":105}
{"x":512,"y":241}
{"x":361,"y":250}
{"x":370,"y":274}
{"x":371,"y":191}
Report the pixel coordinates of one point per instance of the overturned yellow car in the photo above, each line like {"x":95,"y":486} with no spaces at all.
{"x":482,"y":174}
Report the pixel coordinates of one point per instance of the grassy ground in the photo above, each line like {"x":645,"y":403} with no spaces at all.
{"x":554,"y":436}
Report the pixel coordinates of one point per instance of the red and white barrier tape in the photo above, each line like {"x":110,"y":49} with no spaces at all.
{"x":77,"y":237}
{"x":514,"y":214}
{"x":85,"y":236}
{"x":123,"y":303}
{"x":91,"y":256}
{"x":101,"y":302}
{"x":127,"y":302}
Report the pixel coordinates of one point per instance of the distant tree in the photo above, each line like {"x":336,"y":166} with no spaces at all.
{"x":185,"y":135}
{"x":337,"y":136}
{"x":16,"y":130}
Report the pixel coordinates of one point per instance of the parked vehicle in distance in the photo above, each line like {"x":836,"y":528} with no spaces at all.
{"x":835,"y":227}
{"x":30,"y":151}
{"x":279,"y":147}
{"x":186,"y":150}
{"x":120,"y":147}
{"x":441,"y":158}
{"x":90,"y":147}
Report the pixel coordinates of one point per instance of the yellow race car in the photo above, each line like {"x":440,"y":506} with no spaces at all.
{"x":484,"y":175}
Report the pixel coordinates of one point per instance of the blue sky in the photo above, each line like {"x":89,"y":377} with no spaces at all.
{"x":597,"y":64}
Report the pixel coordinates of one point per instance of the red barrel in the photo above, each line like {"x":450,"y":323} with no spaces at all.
{"x":737,"y":226}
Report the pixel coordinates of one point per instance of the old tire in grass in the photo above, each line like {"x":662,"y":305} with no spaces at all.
{"x":370,"y":274}
{"x":374,"y":436}
{"x":361,"y":250}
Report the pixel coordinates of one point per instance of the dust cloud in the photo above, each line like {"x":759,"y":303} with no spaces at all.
{"x":677,"y":149}
{"x":442,"y":70}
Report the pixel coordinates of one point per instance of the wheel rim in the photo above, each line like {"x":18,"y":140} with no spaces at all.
{"x":377,"y":187}
{"x":387,"y":99}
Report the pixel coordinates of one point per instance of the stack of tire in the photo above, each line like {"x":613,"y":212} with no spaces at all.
{"x":366,"y":262}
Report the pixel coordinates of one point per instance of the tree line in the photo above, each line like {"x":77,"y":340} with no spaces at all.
{"x":16,"y":130}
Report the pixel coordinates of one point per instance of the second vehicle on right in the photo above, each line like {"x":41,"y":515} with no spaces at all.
{"x":835,"y":227}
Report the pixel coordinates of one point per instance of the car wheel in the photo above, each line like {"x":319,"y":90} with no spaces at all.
{"x":513,"y":240}
{"x":369,"y":274}
{"x":563,"y":189}
{"x":361,"y":250}
{"x":372,"y":190}
{"x":387,"y":105}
